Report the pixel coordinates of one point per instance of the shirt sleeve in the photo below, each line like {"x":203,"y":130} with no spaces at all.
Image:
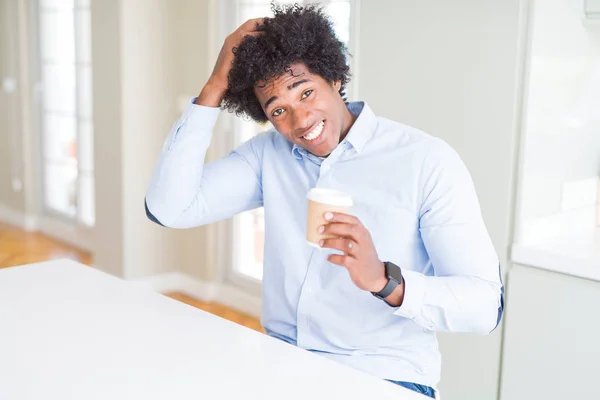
{"x":466,"y":292}
{"x":185,"y":192}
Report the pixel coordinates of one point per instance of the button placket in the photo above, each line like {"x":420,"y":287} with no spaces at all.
{"x":305,"y":304}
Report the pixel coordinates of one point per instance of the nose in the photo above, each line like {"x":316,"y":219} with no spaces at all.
{"x":301,"y":120}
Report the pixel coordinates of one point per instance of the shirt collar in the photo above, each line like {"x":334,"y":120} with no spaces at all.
{"x":360,"y":132}
{"x":363,"y":128}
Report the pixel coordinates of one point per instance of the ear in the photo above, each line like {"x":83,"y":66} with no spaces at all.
{"x":337,"y":85}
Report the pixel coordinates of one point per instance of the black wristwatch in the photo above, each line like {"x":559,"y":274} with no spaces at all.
{"x":394,"y":275}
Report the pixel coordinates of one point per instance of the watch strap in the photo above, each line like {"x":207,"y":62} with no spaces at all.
{"x":394,"y":275}
{"x":387,"y":290}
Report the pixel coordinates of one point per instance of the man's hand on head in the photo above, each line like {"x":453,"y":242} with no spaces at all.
{"x":213,"y":92}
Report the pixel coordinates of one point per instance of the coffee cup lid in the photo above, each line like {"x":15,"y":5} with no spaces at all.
{"x":331,"y":197}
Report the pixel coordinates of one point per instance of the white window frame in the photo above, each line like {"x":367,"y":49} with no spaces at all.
{"x":225,"y":235}
{"x":70,"y":229}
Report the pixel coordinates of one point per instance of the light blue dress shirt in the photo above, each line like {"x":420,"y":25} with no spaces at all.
{"x":410,"y":190}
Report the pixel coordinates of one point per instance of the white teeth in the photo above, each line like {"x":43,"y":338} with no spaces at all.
{"x":315,"y":133}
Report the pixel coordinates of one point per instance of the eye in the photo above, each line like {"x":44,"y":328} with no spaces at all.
{"x":307,"y":93}
{"x":277,"y":112}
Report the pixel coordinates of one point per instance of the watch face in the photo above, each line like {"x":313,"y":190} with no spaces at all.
{"x":393,"y":271}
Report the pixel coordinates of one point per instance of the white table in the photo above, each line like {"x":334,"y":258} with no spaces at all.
{"x":68,"y":331}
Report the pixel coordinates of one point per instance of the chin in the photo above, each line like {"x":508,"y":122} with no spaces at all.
{"x":322,"y":154}
{"x":320,"y":146}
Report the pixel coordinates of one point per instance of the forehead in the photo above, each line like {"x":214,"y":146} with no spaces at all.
{"x":296,"y":72}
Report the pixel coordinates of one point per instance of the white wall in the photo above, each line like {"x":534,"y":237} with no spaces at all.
{"x":139,"y":47}
{"x":452,"y":69}
{"x":148,"y":110}
{"x":192,"y":53}
{"x":106,"y":84}
{"x":562,"y":120}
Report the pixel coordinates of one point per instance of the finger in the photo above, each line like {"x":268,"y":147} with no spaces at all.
{"x":341,"y":217}
{"x":344,"y":261}
{"x":253,"y":23}
{"x":250,"y":26}
{"x":243,"y":35}
{"x":252,"y":33}
{"x":348,"y":246}
{"x":351,"y":231}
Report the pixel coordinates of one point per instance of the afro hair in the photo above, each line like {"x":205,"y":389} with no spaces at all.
{"x":295,"y":34}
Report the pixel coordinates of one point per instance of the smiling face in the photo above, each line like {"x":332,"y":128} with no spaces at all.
{"x":306,"y":109}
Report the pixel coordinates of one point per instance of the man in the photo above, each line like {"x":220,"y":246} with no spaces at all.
{"x":414,"y":257}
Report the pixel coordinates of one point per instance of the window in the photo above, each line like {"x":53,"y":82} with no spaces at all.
{"x":65,"y":73}
{"x":248,"y":231}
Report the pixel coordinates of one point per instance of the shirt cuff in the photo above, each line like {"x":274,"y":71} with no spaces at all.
{"x":414,"y":291}
{"x":195,"y":119}
{"x":201,"y":117}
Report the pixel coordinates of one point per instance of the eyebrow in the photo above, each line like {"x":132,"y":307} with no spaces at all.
{"x":290,"y":87}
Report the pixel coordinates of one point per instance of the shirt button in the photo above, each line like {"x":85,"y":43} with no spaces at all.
{"x":308,"y":290}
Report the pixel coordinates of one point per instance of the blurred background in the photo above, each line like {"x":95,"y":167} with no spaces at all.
{"x":90,"y":89}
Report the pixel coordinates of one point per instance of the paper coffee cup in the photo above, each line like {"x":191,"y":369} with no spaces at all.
{"x":319,"y":202}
